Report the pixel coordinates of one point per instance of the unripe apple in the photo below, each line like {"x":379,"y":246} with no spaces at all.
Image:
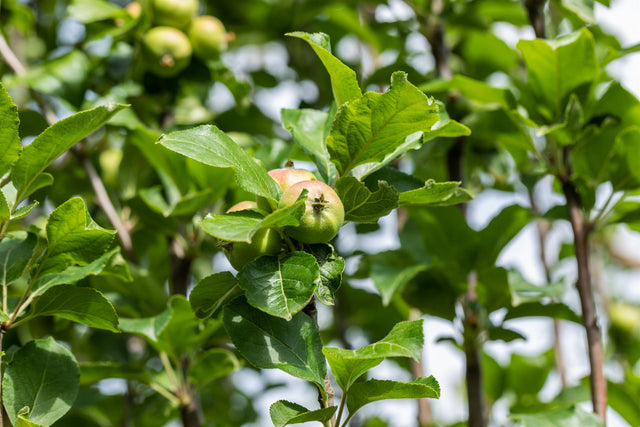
{"x":323,"y":215}
{"x":168,"y":51}
{"x":174,"y":13}
{"x":266,"y":241}
{"x":208,"y":37}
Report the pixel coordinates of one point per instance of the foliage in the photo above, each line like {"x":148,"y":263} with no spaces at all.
{"x":120,"y":156}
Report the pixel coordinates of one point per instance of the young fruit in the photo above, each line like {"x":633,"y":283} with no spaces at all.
{"x":168,"y":51}
{"x":208,"y":37}
{"x":323,"y":215}
{"x":174,"y":13}
{"x":265,"y":241}
{"x":286,"y":177}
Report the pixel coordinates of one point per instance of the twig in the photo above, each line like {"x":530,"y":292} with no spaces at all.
{"x":594,"y":336}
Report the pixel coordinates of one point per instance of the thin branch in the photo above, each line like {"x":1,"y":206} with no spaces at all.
{"x":594,"y":336}
{"x":103,"y":200}
{"x":543,"y":229}
{"x":10,"y":58}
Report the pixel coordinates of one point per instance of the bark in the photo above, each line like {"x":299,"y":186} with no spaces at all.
{"x":581,"y":231}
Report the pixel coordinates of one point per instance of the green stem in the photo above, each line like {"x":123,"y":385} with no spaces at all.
{"x":605,"y":209}
{"x":165,"y":393}
{"x":343,"y":400}
{"x":1,"y":354}
{"x":170,"y":372}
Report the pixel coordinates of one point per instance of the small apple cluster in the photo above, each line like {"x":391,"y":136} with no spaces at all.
{"x":177,"y":34}
{"x":320,"y":222}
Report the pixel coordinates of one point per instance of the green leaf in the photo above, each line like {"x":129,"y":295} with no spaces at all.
{"x":211,"y":146}
{"x":362,"y":205}
{"x":623,"y":398}
{"x":147,"y":327}
{"x":73,"y":238}
{"x":16,"y":250}
{"x":308,"y":128}
{"x":212,"y":364}
{"x":374,"y":125}
{"x":536,"y":309}
{"x":280,"y":285}
{"x":435,"y":194}
{"x":406,"y":339}
{"x":23,"y":422}
{"x":558,"y":68}
{"x":343,"y":79}
{"x":331,"y":268}
{"x":573,"y":417}
{"x":78,"y":304}
{"x":24,"y":210}
{"x":92,"y":372}
{"x":54,"y":141}
{"x":89,"y":11}
{"x":391,"y":271}
{"x":5,"y":210}
{"x":284,"y":413}
{"x":269,"y":342}
{"x":43,"y":376}
{"x":500,"y":231}
{"x":475,"y":90}
{"x":448,"y":239}
{"x":75,"y":273}
{"x":580,"y":9}
{"x":10,"y":147}
{"x":182,"y":332}
{"x":41,"y":181}
{"x":211,"y":292}
{"x":370,"y":391}
{"x":411,"y":142}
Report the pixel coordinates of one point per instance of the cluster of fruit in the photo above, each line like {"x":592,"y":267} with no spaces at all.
{"x":322,"y":218}
{"x":179,"y":33}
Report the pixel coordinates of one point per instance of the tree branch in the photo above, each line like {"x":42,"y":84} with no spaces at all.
{"x":581,"y":231}
{"x":535,"y":9}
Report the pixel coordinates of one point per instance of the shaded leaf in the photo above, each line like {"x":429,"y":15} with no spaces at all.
{"x":43,"y":376}
{"x":211,"y":292}
{"x":213,"y":364}
{"x":284,"y":413}
{"x":88,"y":11}
{"x":331,"y":268}
{"x":391,"y":271}
{"x":280,"y":285}
{"x":573,"y":417}
{"x":78,"y":304}
{"x":554,"y":310}
{"x":270,"y":342}
{"x":92,"y":372}
{"x":16,"y":250}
